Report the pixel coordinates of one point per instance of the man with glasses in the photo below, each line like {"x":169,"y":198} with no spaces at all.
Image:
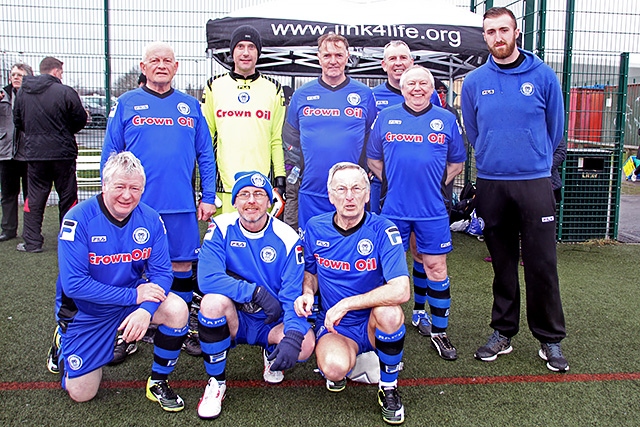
{"x":356,"y":261}
{"x":115,"y":275}
{"x":250,"y":270}
{"x":417,"y":136}
{"x":13,"y":165}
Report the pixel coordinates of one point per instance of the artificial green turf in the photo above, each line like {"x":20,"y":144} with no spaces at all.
{"x":599,"y":287}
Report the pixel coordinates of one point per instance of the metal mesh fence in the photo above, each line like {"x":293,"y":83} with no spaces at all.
{"x":101,"y":43}
{"x":587,"y":43}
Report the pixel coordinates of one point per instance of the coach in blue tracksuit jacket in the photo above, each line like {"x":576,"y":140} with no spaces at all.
{"x":514,"y":117}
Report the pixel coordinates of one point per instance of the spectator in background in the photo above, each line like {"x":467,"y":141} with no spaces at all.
{"x":13,"y":165}
{"x":50,"y":114}
{"x":142,"y":80}
{"x":292,"y":160}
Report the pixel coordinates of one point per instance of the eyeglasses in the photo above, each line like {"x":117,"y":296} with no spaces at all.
{"x":257,"y":195}
{"x":445,"y":91}
{"x":342,"y":190}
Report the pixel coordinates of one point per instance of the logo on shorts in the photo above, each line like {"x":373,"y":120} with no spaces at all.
{"x":365,"y":247}
{"x":268,"y":254}
{"x":74,"y":362}
{"x":141,"y":235}
{"x":243,"y":97}
{"x":354,"y":98}
{"x":527,"y":89}
{"x":183,"y":108}
{"x":436,"y":125}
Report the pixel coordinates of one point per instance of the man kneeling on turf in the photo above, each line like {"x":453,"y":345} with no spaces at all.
{"x":357,"y":261}
{"x":115,"y":275}
{"x":250,"y":271}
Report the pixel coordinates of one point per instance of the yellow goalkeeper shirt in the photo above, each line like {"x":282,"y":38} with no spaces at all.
{"x":245,"y":117}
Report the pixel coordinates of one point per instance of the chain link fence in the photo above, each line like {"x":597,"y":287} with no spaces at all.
{"x":590,"y":43}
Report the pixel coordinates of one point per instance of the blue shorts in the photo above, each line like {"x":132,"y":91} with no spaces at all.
{"x":88,"y":342}
{"x":183,"y":235}
{"x":433,"y":237}
{"x":310,"y":206}
{"x":358,"y":333}
{"x":252,"y":330}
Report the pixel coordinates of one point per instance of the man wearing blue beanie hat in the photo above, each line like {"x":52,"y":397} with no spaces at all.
{"x":250,"y":270}
{"x":251,"y":179}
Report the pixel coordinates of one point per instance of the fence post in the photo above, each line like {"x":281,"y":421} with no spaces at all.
{"x":107,"y":57}
{"x":621,"y":115}
{"x":529,"y":24}
{"x":566,"y":90}
{"x":542,"y":28}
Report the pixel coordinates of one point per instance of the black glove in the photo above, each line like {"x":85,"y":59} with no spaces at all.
{"x":281,"y":186}
{"x":287,"y":351}
{"x":269,"y":304}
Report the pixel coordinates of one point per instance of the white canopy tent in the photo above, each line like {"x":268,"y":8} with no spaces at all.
{"x":444,"y":38}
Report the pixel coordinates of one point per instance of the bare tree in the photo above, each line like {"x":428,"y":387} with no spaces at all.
{"x":126,"y":82}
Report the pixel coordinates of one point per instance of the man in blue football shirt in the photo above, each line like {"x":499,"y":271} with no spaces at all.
{"x":115,"y":275}
{"x":250,"y":271}
{"x":329,"y":120}
{"x":426,"y":139}
{"x":356,"y":261}
{"x":167,"y":131}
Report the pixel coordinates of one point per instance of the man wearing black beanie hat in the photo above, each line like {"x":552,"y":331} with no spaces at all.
{"x":246,"y":33}
{"x":245,"y":111}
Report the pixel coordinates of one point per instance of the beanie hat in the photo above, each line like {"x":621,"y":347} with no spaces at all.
{"x":250,"y":179}
{"x":246,"y":33}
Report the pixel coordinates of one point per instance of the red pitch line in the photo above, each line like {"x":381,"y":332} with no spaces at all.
{"x":415,"y":382}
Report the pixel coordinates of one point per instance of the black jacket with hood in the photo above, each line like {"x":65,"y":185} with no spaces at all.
{"x":50,"y":114}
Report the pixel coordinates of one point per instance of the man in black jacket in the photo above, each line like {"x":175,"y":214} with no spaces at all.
{"x":50,"y":114}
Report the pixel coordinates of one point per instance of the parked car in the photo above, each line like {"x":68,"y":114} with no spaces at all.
{"x":96,"y":105}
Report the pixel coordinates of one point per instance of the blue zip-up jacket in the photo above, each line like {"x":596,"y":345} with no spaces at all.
{"x":514,"y":119}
